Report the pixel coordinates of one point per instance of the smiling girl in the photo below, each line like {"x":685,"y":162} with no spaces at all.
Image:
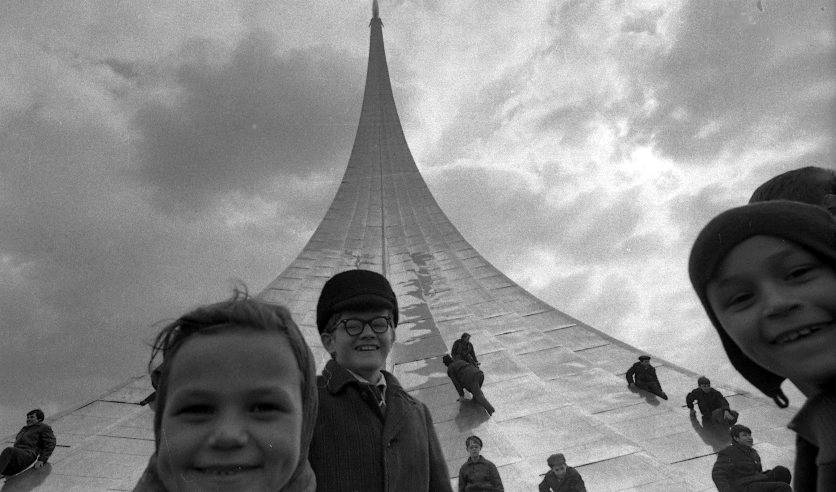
{"x":236,"y":402}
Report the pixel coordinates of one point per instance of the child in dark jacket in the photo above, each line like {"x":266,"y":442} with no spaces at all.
{"x":463,"y":350}
{"x":561,"y":477}
{"x":371,"y":435}
{"x":33,"y":444}
{"x":478,"y":474}
{"x":643,"y":375}
{"x":235,"y":404}
{"x":713,"y":405}
{"x":466,"y":376}
{"x":739,"y":469}
{"x":766,"y":276}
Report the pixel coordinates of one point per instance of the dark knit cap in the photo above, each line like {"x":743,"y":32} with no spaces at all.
{"x":809,"y":226}
{"x":355,"y":289}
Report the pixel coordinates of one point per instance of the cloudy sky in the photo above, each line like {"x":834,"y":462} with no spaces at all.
{"x":152,"y":152}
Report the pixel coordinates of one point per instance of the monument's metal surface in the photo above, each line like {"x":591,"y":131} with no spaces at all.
{"x":557,"y":384}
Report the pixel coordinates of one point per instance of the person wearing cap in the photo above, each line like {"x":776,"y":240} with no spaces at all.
{"x":467,"y":377}
{"x":34,"y":443}
{"x":739,"y":469}
{"x":765,"y":274}
{"x":713,"y":405}
{"x":643,"y":375}
{"x":463,"y":350}
{"x":478,"y":474}
{"x":560,"y":477}
{"x":370,"y":435}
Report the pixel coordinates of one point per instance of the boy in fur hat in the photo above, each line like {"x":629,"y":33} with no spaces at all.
{"x":766,"y":276}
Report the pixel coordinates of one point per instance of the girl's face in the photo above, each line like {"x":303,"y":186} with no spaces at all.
{"x":233,"y":414}
{"x":777,"y":302}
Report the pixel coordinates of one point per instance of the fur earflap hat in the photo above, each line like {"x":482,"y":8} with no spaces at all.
{"x":809,"y":226}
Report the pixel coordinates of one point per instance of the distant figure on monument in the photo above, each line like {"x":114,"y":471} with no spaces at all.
{"x":645,"y":377}
{"x":468,"y":377}
{"x":34,"y":444}
{"x":713,"y":405}
{"x":766,"y":275}
{"x":561,"y":477}
{"x":811,"y":184}
{"x":236,"y":401}
{"x":738,"y":467}
{"x":478,"y":474}
{"x":371,"y":435}
{"x":463,"y":350}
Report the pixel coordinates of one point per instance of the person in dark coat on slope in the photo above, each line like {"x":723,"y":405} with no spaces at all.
{"x":713,"y":405}
{"x":561,"y":477}
{"x":33,"y":444}
{"x":467,"y":377}
{"x":738,"y":467}
{"x":645,"y":377}
{"x":478,"y":474}
{"x":463,"y":350}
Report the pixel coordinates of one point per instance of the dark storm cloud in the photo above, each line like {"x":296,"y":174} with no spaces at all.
{"x":87,"y":264}
{"x":237,"y":124}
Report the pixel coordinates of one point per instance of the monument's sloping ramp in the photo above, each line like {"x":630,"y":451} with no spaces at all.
{"x":557,"y":384}
{"x":102,"y":445}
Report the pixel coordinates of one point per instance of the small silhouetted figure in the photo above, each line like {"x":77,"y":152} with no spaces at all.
{"x":738,"y":467}
{"x":713,"y":405}
{"x":478,"y":474}
{"x":468,"y":377}
{"x":33,"y":444}
{"x":645,"y":377}
{"x":561,"y":478}
{"x":463,"y":350}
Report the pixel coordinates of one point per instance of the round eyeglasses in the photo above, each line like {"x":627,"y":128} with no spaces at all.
{"x":354,"y":326}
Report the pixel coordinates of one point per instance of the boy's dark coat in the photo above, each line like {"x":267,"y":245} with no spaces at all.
{"x":708,"y":402}
{"x":356,"y":448}
{"x":465,"y":376}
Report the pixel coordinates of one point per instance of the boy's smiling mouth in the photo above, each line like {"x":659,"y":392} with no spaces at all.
{"x":803,"y":332}
{"x":225,"y":470}
{"x":366,"y":348}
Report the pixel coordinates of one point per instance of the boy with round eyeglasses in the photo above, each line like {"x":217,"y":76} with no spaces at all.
{"x":370,"y":435}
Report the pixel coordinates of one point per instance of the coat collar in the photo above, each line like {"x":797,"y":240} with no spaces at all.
{"x":337,"y":378}
{"x":399,"y":404}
